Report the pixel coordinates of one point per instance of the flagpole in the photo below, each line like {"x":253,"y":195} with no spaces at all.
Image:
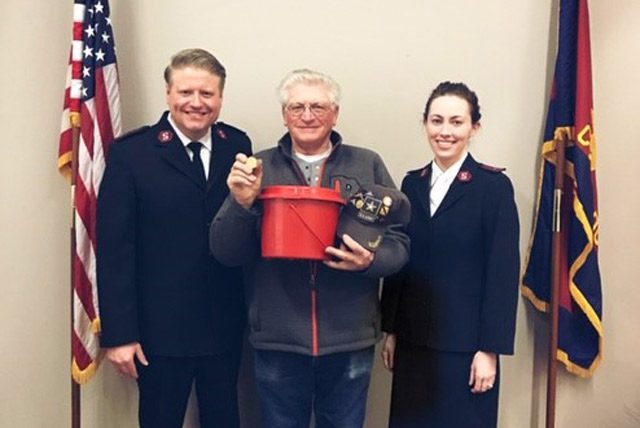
{"x":556,"y":279}
{"x":75,"y":386}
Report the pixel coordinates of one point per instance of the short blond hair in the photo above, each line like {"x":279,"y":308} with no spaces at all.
{"x":197,"y":58}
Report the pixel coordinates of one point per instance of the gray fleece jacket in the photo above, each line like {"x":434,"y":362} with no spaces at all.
{"x":304,"y":306}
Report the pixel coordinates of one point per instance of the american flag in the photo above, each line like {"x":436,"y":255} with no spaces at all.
{"x":91,"y":104}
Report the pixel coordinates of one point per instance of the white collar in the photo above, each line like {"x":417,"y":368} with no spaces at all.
{"x":312,"y":158}
{"x":206,"y":140}
{"x":450,"y":173}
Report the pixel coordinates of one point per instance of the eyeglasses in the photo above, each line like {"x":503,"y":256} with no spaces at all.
{"x":317,"y":109}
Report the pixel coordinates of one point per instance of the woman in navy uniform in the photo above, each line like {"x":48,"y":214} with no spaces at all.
{"x":451,"y":311}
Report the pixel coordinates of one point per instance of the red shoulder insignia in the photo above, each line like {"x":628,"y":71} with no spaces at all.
{"x":492,"y":168}
{"x":165,"y":136}
{"x":221,"y":133}
{"x":465,"y":176}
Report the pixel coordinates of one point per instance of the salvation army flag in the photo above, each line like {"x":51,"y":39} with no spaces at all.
{"x":580,"y":333}
{"x":92,"y":104}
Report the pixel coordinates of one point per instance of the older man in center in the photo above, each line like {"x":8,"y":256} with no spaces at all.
{"x":313,"y":325}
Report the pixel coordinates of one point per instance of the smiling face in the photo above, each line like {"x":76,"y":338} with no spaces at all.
{"x":310,"y":116}
{"x":194,"y":98}
{"x":449,"y":129}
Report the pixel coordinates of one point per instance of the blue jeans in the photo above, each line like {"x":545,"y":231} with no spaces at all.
{"x":333,"y":386}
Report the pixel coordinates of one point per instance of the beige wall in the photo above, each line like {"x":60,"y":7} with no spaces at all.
{"x":387,"y":58}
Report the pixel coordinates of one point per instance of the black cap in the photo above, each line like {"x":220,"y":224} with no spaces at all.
{"x":369,"y":212}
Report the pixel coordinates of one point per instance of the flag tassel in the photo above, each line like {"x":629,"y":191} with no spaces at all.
{"x":90,"y":123}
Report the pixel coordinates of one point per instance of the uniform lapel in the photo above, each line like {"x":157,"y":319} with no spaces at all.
{"x":173,"y":152}
{"x":221,"y":151}
{"x":460,"y":185}
{"x":422,"y":190}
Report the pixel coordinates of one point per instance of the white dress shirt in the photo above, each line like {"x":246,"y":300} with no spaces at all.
{"x":441,"y":182}
{"x":205,"y":155}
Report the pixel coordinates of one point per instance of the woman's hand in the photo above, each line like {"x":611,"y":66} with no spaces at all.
{"x":388,"y":352}
{"x":483,"y":371}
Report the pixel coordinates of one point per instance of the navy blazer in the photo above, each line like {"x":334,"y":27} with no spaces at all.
{"x":459,"y":290}
{"x":158,"y":284}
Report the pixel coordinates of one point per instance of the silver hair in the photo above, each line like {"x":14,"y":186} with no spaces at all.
{"x":308,"y":77}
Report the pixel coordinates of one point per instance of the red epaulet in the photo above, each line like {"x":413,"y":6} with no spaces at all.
{"x":422,"y":172}
{"x":492,"y":168}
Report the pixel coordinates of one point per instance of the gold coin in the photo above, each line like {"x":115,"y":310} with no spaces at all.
{"x":252,"y":162}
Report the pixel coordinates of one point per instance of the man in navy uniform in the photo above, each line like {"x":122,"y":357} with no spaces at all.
{"x":171,"y":314}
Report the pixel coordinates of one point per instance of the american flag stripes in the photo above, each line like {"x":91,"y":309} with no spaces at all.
{"x":92,"y":104}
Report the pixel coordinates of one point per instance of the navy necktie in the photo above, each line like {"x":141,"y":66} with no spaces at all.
{"x":195,"y":147}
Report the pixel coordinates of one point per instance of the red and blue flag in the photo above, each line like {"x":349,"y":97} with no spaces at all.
{"x":570,"y":114}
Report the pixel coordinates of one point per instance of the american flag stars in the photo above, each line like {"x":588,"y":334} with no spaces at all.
{"x":92,"y":103}
{"x":98,"y":46}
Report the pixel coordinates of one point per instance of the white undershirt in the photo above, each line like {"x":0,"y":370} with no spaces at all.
{"x":310,"y":165}
{"x":313,"y":158}
{"x":205,"y":155}
{"x":441,"y":182}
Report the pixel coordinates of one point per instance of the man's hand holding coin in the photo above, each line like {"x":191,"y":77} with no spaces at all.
{"x":245,"y":179}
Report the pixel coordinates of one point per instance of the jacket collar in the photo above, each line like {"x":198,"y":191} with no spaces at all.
{"x":221,"y":151}
{"x":460,"y":185}
{"x":458,"y":189}
{"x":173,"y":152}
